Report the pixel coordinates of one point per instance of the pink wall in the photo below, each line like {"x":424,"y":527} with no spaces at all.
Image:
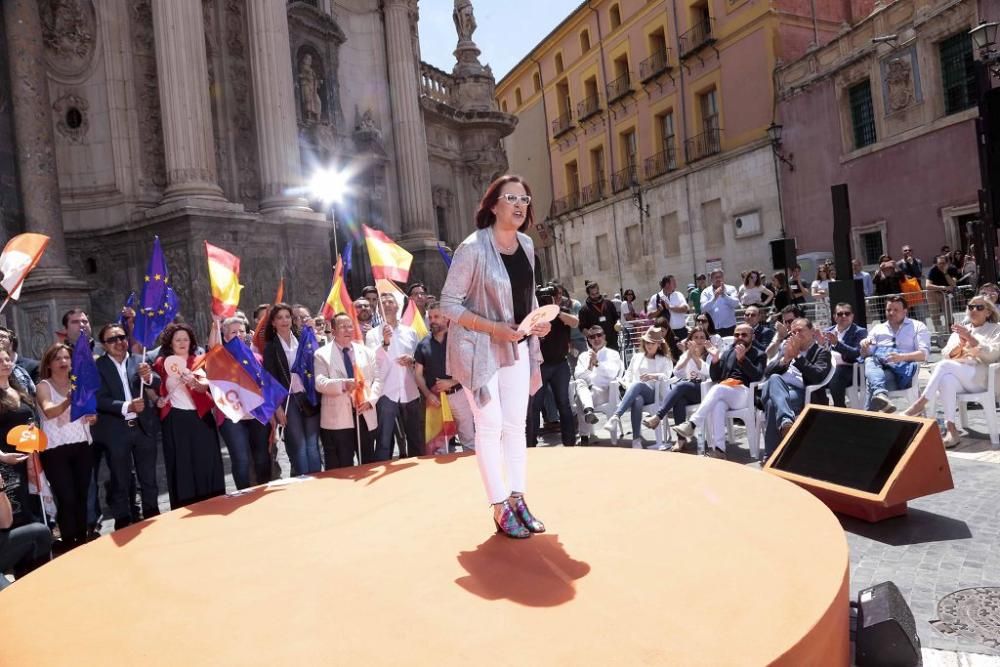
{"x":906,"y":185}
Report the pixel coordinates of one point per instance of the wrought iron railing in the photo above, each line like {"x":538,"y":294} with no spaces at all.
{"x":588,"y":107}
{"x":619,"y":88}
{"x":702,"y":145}
{"x":623,"y":179}
{"x":593,"y":192}
{"x":565,"y":204}
{"x":562,"y":124}
{"x":653,"y":66}
{"x":698,"y":37}
{"x":661,"y":163}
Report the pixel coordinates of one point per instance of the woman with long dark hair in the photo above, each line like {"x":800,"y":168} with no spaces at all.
{"x":489,"y":291}
{"x":67,"y":458}
{"x":191,"y":451}
{"x":297,"y":415}
{"x":690,"y":371}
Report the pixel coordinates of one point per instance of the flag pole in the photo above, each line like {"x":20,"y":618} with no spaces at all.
{"x":4,"y":305}
{"x":357,"y":434}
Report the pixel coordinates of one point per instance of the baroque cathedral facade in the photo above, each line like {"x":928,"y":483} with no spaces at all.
{"x":202,"y":120}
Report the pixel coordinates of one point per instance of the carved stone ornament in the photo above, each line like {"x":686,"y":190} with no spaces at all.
{"x":899,"y":82}
{"x":68,"y":32}
{"x":310,"y":82}
{"x":72,"y":119}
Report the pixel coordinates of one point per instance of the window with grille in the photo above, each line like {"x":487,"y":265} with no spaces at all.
{"x":871,"y":247}
{"x":958,"y":78}
{"x":862,"y":113}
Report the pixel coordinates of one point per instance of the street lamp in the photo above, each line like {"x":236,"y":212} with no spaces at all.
{"x":984,"y":37}
{"x":774,"y":131}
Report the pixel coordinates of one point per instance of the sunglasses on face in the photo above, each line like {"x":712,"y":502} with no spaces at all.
{"x":844,"y":313}
{"x":593,"y":336}
{"x":512,"y":199}
{"x":703,"y":320}
{"x":115,"y":339}
{"x":976,"y":306}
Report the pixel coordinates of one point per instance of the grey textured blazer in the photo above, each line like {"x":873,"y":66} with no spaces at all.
{"x":478,"y":282}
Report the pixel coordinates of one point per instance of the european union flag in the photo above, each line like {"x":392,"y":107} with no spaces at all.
{"x":271,"y":390}
{"x":84,"y":380}
{"x":304,"y":363}
{"x":346,"y":254}
{"x":444,"y":255}
{"x":158,"y":303}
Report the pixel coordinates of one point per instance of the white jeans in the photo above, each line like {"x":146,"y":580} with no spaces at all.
{"x":713,"y":408}
{"x":949,"y":379}
{"x":586,"y":396}
{"x":500,"y":425}
{"x":464,"y":420}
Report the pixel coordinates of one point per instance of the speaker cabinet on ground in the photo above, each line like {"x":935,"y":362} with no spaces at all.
{"x":783,"y":254}
{"x":863,"y":464}
{"x":886,"y":634}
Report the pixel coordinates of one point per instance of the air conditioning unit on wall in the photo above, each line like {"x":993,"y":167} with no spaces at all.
{"x":746,"y":224}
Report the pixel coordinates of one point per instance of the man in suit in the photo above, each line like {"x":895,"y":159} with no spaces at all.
{"x":844,"y":338}
{"x":763,"y":333}
{"x":339,"y":417}
{"x":800,"y":362}
{"x":732,"y":372}
{"x":126,"y":424}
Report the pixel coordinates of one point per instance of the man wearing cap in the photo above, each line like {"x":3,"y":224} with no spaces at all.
{"x":595,"y":371}
{"x":800,"y":363}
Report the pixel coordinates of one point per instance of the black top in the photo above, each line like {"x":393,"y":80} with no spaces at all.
{"x":555,"y":346}
{"x":431,"y":355}
{"x":522,"y":282}
{"x":938,"y":277}
{"x":16,"y":476}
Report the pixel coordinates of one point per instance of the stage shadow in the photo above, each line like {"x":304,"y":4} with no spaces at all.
{"x":229,"y":503}
{"x":915,"y":527}
{"x":451,"y":457}
{"x":536,"y":572}
{"x":370,"y":472}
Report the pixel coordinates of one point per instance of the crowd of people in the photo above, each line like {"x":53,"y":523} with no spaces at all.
{"x":696,"y":356}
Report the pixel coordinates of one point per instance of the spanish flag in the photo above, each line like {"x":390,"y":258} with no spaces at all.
{"x":339,"y":301}
{"x":439,"y":426}
{"x":413,"y":319}
{"x":388,"y":260}
{"x":224,"y":276}
{"x":19,"y":257}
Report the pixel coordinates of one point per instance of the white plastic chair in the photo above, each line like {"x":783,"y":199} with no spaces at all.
{"x":608,"y":407}
{"x":811,"y":389}
{"x":748,"y":415}
{"x":660,"y":432}
{"x":858,"y":390}
{"x":987,"y":399}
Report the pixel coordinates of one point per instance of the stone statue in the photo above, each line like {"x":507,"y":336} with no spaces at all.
{"x":309,"y":84}
{"x":899,"y":82}
{"x":465,"y":21}
{"x":368,"y":121}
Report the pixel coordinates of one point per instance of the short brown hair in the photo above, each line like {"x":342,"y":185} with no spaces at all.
{"x":485,"y":216}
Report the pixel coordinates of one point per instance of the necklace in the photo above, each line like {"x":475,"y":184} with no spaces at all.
{"x":504,"y":248}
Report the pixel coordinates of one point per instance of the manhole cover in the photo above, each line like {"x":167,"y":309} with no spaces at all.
{"x":971,"y":613}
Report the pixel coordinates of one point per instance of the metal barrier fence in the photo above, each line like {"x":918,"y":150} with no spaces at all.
{"x":630,"y":338}
{"x":938,"y":310}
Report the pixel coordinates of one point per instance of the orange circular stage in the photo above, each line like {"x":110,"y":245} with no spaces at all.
{"x":652,"y":559}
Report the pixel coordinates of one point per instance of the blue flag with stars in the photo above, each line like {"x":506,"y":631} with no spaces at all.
{"x":346,"y":254}
{"x":158,"y":302}
{"x":444,"y":255}
{"x":305,"y":362}
{"x":84,"y":380}
{"x":271,"y":390}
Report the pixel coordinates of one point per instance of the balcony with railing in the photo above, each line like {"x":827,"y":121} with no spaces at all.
{"x":435,"y":84}
{"x":593,"y":192}
{"x":562,"y":124}
{"x":703,"y":145}
{"x":623,"y":179}
{"x":570,"y":202}
{"x":662,"y":162}
{"x":590,"y":106}
{"x":619,"y":88}
{"x":655,"y":65}
{"x":698,"y":37}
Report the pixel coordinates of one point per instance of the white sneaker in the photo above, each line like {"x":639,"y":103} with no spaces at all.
{"x":637,"y":443}
{"x":614,"y":426}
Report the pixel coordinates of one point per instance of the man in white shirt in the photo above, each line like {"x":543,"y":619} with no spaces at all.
{"x":720,"y":301}
{"x":343,"y":425}
{"x":893,"y":351}
{"x":394,"y":344}
{"x":668,"y":302}
{"x":595,"y":371}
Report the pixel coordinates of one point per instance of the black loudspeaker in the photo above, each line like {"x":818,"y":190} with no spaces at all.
{"x":886,"y":634}
{"x":783,"y":254}
{"x":841,"y":231}
{"x":852,"y":292}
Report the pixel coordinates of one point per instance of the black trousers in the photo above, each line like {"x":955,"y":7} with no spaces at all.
{"x":135,"y":451}
{"x":23,"y":549}
{"x":340,"y":444}
{"x":68,"y":469}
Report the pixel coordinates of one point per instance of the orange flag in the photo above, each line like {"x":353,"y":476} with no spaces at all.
{"x":18,"y":258}
{"x":339,"y":301}
{"x":224,"y":278}
{"x":258,"y":335}
{"x":388,"y":259}
{"x":439,"y":425}
{"x":359,"y":386}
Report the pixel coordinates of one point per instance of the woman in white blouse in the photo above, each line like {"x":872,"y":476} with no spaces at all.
{"x":652,"y":366}
{"x":689,"y":372}
{"x":964,"y":363}
{"x":753,"y":293}
{"x":67,"y":456}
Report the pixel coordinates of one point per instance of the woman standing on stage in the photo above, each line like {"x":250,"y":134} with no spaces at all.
{"x":490,"y":289}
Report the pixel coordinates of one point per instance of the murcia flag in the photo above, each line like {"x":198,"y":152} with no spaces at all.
{"x":19,"y":257}
{"x":234,"y":390}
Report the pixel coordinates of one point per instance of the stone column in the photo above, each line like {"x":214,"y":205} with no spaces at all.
{"x":408,"y":126}
{"x":274,"y":105}
{"x":182,"y":68}
{"x":36,"y":159}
